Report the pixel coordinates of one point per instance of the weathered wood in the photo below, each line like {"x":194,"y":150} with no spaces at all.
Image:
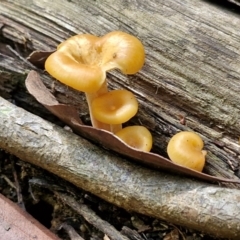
{"x":192,"y":70}
{"x":205,"y":207}
{"x":192,"y":63}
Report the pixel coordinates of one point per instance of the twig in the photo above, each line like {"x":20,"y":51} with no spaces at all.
{"x":92,"y":217}
{"x":71,"y":232}
{"x":18,"y":187}
{"x":10,"y":183}
{"x":132,"y":234}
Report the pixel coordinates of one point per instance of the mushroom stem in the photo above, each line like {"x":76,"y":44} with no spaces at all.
{"x":116,"y":127}
{"x":95,"y":123}
{"x":90,"y":97}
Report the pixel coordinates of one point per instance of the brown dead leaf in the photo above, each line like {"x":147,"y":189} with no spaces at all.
{"x":15,"y":223}
{"x":69,"y":115}
{"x":38,"y":58}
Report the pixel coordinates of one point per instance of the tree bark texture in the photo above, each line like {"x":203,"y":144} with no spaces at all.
{"x":191,"y":70}
{"x":197,"y":205}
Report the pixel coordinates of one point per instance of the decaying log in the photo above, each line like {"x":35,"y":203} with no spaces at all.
{"x":191,"y":75}
{"x":180,"y":200}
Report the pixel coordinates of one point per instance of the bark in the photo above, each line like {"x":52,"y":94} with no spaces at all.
{"x":179,"y":200}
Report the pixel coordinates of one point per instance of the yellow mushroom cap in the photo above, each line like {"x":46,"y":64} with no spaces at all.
{"x":73,"y":64}
{"x":81,"y":61}
{"x":137,"y":137}
{"x":185,"y":148}
{"x":122,"y":51}
{"x":115,"y":107}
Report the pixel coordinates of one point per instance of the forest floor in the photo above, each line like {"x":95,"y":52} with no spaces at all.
{"x":36,"y":190}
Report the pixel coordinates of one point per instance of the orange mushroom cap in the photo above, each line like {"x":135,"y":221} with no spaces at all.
{"x":115,"y":107}
{"x":81,"y":61}
{"x":122,"y":51}
{"x":137,"y":137}
{"x":185,"y":148}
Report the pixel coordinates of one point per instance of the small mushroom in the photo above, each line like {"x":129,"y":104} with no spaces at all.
{"x":137,"y":137}
{"x":115,"y":107}
{"x":81,"y":62}
{"x":185,"y":148}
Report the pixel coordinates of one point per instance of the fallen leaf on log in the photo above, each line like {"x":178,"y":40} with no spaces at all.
{"x":38,"y":58}
{"x":70,"y":116}
{"x":16,"y":223}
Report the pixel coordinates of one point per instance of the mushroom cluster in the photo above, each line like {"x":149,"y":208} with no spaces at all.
{"x":81,"y":62}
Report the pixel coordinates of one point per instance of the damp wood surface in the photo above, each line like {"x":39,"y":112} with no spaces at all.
{"x":191,"y":71}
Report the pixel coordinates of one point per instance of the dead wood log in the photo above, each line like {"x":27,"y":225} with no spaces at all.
{"x":205,"y":207}
{"x":191,"y":71}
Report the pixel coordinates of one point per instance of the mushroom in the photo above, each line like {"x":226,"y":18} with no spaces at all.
{"x":114,"y":108}
{"x":137,"y":137}
{"x":185,"y":148}
{"x":81,"y":62}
